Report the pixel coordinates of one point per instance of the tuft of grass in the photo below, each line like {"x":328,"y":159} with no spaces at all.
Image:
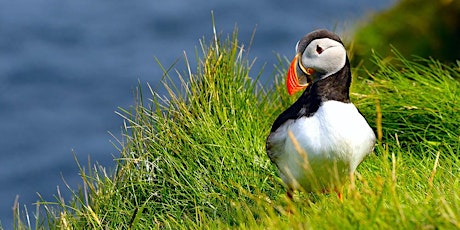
{"x":419,"y":99}
{"x":196,"y":157}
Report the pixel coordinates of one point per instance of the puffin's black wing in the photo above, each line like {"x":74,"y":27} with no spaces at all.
{"x":306,"y":105}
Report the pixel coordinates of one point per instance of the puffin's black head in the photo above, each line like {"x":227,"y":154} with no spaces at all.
{"x":320,"y":54}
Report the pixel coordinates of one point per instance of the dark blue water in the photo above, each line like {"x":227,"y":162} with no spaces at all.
{"x":65,"y":67}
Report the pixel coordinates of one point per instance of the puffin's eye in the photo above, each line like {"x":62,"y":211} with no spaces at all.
{"x":319,"y":50}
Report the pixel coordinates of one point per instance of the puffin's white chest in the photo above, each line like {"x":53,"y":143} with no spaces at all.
{"x":322,"y":150}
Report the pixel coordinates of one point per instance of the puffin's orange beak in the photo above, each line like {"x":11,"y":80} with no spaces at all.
{"x":298,"y":77}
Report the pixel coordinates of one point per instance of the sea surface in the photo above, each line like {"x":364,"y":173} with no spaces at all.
{"x":67,"y":66}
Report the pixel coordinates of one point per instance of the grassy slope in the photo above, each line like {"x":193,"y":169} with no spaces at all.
{"x":196,"y":159}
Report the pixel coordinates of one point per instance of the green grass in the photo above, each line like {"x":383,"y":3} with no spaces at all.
{"x":196,"y":157}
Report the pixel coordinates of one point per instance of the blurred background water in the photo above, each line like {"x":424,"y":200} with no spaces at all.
{"x":66,"y":66}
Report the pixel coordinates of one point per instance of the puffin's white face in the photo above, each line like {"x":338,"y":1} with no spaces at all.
{"x":325,"y":56}
{"x":318,"y":55}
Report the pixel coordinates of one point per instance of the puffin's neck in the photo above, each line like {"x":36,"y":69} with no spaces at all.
{"x":335,"y":87}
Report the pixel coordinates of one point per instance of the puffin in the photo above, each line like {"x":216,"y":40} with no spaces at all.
{"x":319,"y":141}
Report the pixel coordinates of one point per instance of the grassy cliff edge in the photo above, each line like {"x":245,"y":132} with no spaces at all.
{"x":196,"y":158}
